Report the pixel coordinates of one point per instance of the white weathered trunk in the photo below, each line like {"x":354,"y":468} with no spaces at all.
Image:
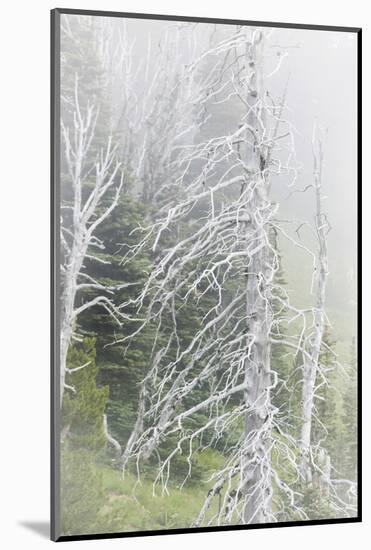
{"x":111,"y":440}
{"x":255,"y":474}
{"x":240,"y":234}
{"x":72,"y":271}
{"x":256,"y":460}
{"x":87,"y":215}
{"x":311,"y":359}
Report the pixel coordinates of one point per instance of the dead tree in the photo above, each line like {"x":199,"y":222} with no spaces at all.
{"x":234,"y":240}
{"x":156,"y":102}
{"x":219,"y":188}
{"x":316,"y":470}
{"x":315,"y":337}
{"x":147,"y":128}
{"x":91,"y":181}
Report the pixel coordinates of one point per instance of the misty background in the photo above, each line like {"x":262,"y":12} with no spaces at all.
{"x":320,"y":73}
{"x":177,"y":101}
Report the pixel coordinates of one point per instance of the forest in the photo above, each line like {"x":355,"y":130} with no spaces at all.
{"x":208,"y":343}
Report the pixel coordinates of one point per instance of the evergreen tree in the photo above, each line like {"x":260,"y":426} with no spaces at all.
{"x":82,"y":495}
{"x":83,"y":439}
{"x":84,"y":403}
{"x":80,"y":59}
{"x":122,"y":366}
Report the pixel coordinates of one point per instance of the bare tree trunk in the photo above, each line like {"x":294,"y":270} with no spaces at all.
{"x":311,"y":361}
{"x":78,"y":238}
{"x":158,"y":110}
{"x":232,"y":347}
{"x":111,"y":440}
{"x":68,"y":302}
{"x":256,"y":480}
{"x":256,"y":468}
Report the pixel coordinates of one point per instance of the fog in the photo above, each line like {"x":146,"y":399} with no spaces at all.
{"x":208,"y":275}
{"x":319,"y":70}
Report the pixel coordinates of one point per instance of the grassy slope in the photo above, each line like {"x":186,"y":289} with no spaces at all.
{"x":134,"y":506}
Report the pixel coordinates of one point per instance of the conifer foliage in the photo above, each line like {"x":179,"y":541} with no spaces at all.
{"x":189,"y":365}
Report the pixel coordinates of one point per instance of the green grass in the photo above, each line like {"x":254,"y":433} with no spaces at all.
{"x":135,"y":506}
{"x":97,"y":499}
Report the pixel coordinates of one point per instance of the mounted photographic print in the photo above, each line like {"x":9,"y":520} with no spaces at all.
{"x":205,"y":273}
